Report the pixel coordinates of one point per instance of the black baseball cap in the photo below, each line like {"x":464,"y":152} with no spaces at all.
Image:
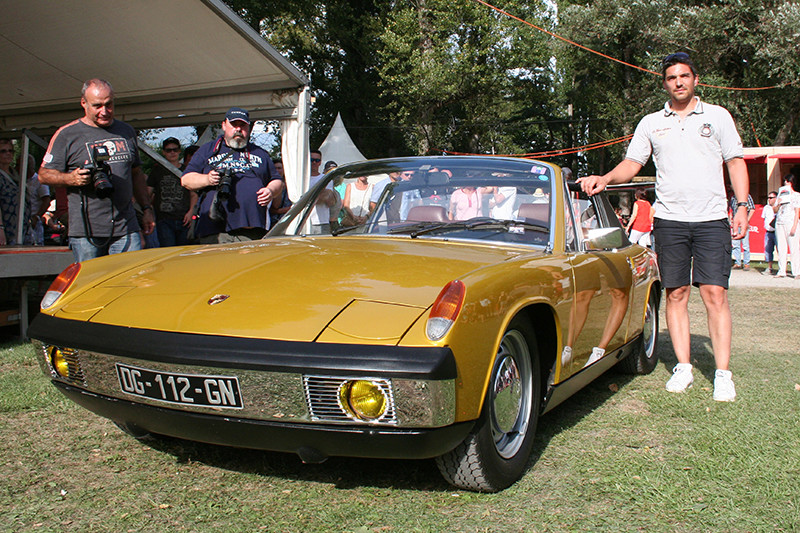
{"x":170,"y":140}
{"x":237,"y":113}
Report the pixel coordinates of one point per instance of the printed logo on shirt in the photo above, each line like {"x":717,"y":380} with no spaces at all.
{"x":661,"y":132}
{"x":245,"y":163}
{"x":118,"y":149}
{"x":706,"y":130}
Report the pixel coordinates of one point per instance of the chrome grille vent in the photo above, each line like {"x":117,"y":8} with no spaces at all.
{"x":322,"y":396}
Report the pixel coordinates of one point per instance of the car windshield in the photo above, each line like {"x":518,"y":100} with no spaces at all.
{"x":479,"y":198}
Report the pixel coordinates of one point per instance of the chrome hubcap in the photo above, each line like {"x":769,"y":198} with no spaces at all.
{"x":511,"y":388}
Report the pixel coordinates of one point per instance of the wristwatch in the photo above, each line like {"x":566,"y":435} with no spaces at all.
{"x":741,"y":204}
{"x":146,"y":207}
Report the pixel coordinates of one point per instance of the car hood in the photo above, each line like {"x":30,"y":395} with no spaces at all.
{"x":297,"y":288}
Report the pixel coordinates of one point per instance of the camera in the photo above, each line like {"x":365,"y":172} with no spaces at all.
{"x":100,"y":172}
{"x":223,"y":193}
{"x":224,"y":186}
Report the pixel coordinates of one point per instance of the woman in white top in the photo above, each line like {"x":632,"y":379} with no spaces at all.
{"x":356,"y":201}
{"x":787,"y":209}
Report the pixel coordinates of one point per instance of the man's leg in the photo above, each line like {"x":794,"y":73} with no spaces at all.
{"x":83,"y":248}
{"x":678,"y":321}
{"x":127,"y":243}
{"x":737,"y":252}
{"x":746,"y":249}
{"x":720,"y":326}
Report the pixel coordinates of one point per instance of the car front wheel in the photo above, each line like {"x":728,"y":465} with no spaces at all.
{"x":496,"y":452}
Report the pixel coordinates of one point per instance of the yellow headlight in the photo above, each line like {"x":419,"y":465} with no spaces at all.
{"x":363,"y":399}
{"x":58,"y":361}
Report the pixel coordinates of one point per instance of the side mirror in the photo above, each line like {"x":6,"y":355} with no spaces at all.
{"x":605,"y":238}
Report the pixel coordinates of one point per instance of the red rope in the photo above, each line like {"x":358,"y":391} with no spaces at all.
{"x":554,"y":153}
{"x":573,"y":43}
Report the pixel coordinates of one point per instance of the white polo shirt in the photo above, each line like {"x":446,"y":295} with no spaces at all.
{"x":688,"y":155}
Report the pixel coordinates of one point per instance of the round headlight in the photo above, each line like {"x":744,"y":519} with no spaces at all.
{"x":59,"y":362}
{"x":365,"y":400}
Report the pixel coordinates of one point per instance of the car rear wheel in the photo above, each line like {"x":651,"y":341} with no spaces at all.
{"x":644,"y":360}
{"x":494,"y":455}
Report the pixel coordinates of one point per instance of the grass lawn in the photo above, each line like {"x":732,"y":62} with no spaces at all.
{"x":622,"y":455}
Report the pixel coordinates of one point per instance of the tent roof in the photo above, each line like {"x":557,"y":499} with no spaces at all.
{"x":338,"y":146}
{"x":172,"y":63}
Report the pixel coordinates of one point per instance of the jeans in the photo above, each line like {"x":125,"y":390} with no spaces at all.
{"x":745,"y":249}
{"x":171,"y":232}
{"x":83,"y":249}
{"x":769,"y":245}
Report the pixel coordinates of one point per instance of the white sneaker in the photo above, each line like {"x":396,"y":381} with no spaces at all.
{"x":597,"y":354}
{"x":724,"y":391}
{"x":566,"y":356}
{"x":681,"y":379}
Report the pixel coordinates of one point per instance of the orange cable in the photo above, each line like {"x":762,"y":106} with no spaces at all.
{"x":573,"y":43}
{"x":553,"y":153}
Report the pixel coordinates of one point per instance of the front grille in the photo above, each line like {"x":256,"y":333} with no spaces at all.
{"x":322,"y":395}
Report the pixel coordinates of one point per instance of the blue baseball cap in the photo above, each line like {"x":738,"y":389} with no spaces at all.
{"x":237,"y":113}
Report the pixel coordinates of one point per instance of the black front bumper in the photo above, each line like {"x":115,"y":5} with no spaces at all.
{"x":312,"y":442}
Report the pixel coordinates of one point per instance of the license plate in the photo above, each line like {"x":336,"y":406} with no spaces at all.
{"x":182,"y":389}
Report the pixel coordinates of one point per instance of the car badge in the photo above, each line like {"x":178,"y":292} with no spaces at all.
{"x":218,"y":299}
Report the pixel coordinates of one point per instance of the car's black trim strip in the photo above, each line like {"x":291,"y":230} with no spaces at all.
{"x":318,"y":440}
{"x":426,"y":363}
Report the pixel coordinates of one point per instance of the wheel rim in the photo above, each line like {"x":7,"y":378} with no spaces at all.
{"x":649,"y":330}
{"x":511,"y":388}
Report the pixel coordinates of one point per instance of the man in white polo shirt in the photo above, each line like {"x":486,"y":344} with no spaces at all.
{"x":689,"y":141}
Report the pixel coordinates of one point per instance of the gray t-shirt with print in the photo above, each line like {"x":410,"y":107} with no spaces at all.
{"x":72,"y":147}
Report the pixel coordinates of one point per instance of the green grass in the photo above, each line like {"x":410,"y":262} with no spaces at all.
{"x":622,"y":455}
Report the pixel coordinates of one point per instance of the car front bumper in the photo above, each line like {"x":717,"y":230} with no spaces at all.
{"x":286,"y":392}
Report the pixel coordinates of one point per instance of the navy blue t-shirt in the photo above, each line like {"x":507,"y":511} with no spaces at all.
{"x":253,"y":170}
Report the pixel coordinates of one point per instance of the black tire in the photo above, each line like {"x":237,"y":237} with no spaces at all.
{"x":495,"y":454}
{"x":644,"y":359}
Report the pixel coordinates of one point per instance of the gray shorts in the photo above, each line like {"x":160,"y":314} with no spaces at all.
{"x":693,"y":252}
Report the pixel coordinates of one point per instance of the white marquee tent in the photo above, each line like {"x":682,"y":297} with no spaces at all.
{"x":175,"y":63}
{"x":338,"y":146}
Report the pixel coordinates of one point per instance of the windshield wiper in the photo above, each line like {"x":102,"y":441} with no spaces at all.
{"x":342,"y":229}
{"x":505,"y":224}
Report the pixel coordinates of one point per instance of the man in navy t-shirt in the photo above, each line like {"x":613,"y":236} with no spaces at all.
{"x":236,"y":180}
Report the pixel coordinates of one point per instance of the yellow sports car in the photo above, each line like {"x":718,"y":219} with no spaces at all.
{"x":441,"y":311}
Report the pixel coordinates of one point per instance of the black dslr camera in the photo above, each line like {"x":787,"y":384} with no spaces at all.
{"x":100,"y":172}
{"x":225,"y":181}
{"x":223,"y":193}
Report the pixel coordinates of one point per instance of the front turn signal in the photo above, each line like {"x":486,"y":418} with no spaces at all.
{"x":60,"y":285}
{"x":445,"y":310}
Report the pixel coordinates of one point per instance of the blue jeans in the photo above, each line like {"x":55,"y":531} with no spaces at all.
{"x":769,"y":246}
{"x":171,"y":232}
{"x":745,"y":249}
{"x":83,"y":249}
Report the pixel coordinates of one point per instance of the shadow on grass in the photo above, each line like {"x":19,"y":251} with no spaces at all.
{"x":350,"y":473}
{"x":702,"y":356}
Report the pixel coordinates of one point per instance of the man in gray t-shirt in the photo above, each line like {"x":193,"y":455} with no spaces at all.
{"x":690,"y":141}
{"x":102,"y":220}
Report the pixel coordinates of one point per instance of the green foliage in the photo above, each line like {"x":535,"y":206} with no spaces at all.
{"x":419,"y":76}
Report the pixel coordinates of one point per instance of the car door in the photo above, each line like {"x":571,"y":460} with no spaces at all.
{"x":602,"y":285}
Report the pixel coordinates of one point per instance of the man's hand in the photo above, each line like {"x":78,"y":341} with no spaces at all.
{"x":213,"y":178}
{"x":148,"y":221}
{"x":739,"y":230}
{"x":79,"y":177}
{"x":187,"y":218}
{"x":593,"y":184}
{"x":263,"y":196}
